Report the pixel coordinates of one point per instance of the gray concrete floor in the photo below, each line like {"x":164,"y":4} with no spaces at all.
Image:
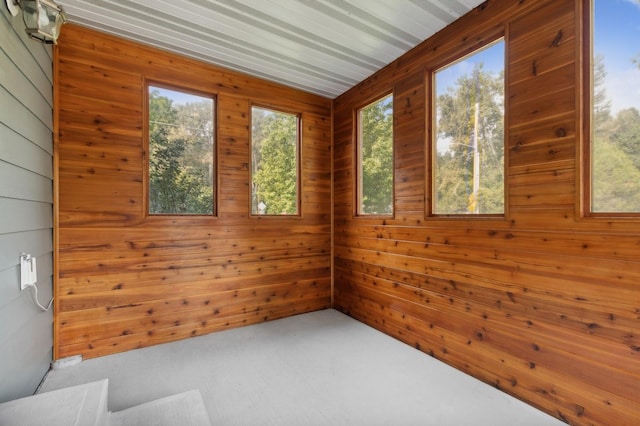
{"x":321,"y":368}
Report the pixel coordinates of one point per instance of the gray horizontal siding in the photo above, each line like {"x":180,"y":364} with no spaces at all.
{"x":19,"y":151}
{"x":18,"y":183}
{"x":26,"y":206}
{"x":23,"y":121}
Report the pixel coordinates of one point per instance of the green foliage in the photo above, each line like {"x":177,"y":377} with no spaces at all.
{"x":625,"y":134}
{"x":615,"y":145}
{"x":615,"y":156}
{"x":615,"y":179}
{"x":180,"y":156}
{"x":274,"y":162}
{"x":472,"y":107}
{"x":376,"y":162}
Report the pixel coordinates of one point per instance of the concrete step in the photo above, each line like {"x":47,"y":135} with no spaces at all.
{"x":86,"y":405}
{"x":184,"y":409}
{"x":82,"y":405}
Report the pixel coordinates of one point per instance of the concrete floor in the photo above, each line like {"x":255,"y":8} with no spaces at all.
{"x":321,"y":368}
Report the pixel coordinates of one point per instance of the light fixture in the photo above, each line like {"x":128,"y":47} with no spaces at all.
{"x":42,"y":18}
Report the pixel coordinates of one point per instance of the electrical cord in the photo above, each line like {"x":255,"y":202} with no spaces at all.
{"x":28,"y":278}
{"x":35,"y":297}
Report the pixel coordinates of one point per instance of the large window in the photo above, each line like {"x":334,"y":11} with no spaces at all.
{"x":468,"y":136}
{"x":375,"y":158}
{"x":614,"y":131}
{"x":274,"y":162}
{"x":181,"y":153}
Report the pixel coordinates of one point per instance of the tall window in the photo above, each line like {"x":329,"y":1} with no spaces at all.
{"x":614,"y":80}
{"x":181,"y":153}
{"x":274,"y":162}
{"x":468,"y":135}
{"x":375,"y":158}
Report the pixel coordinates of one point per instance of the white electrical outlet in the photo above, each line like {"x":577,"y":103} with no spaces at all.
{"x":34,"y":271}
{"x":28,"y":273}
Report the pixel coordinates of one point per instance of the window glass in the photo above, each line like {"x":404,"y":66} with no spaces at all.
{"x":615,"y":107}
{"x":274,"y":162}
{"x":375,"y":158}
{"x":181,"y":159}
{"x":468,"y":142}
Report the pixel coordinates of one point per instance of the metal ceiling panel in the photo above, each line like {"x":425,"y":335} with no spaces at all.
{"x":320,"y":46}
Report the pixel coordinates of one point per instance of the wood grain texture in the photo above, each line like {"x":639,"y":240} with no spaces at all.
{"x":126,"y":280}
{"x":541,"y":303}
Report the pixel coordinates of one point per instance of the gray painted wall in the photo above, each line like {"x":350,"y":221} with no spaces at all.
{"x":26,"y":205}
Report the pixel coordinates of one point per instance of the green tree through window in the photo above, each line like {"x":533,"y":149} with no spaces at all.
{"x":181,"y":172}
{"x":468,"y":151}
{"x":274,"y":162}
{"x":615,"y":107}
{"x":375,"y":158}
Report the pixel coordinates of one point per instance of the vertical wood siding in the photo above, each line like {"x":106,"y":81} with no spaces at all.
{"x":26,"y":198}
{"x":543,"y":304}
{"x":126,"y":280}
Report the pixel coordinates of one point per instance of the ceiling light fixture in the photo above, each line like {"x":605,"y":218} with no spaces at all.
{"x":42,"y":18}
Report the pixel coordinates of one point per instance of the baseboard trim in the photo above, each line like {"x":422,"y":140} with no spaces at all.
{"x":66,"y":362}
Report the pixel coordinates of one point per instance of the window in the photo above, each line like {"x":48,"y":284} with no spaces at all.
{"x":375,"y":158}
{"x":274,"y":162}
{"x":614,"y":108}
{"x":181,"y":160}
{"x":468,"y":136}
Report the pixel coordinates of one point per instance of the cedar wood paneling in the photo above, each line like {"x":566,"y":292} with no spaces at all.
{"x":542,"y":304}
{"x":126,"y":280}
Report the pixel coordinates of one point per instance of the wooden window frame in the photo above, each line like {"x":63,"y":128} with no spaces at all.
{"x":431,"y":136}
{"x":584,"y":204}
{"x":146,"y":178}
{"x":357,"y":159}
{"x":299,"y":128}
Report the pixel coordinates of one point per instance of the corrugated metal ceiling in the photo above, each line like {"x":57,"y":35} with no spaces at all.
{"x":321,"y":46}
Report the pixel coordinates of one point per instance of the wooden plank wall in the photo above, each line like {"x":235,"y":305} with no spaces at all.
{"x":542,"y":304}
{"x":126,"y":280}
{"x":26,"y":203}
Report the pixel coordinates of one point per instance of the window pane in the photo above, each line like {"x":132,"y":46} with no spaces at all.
{"x":274,"y":162}
{"x":615,"y":115}
{"x":468,"y":155}
{"x":181,"y":172}
{"x":375,"y":158}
